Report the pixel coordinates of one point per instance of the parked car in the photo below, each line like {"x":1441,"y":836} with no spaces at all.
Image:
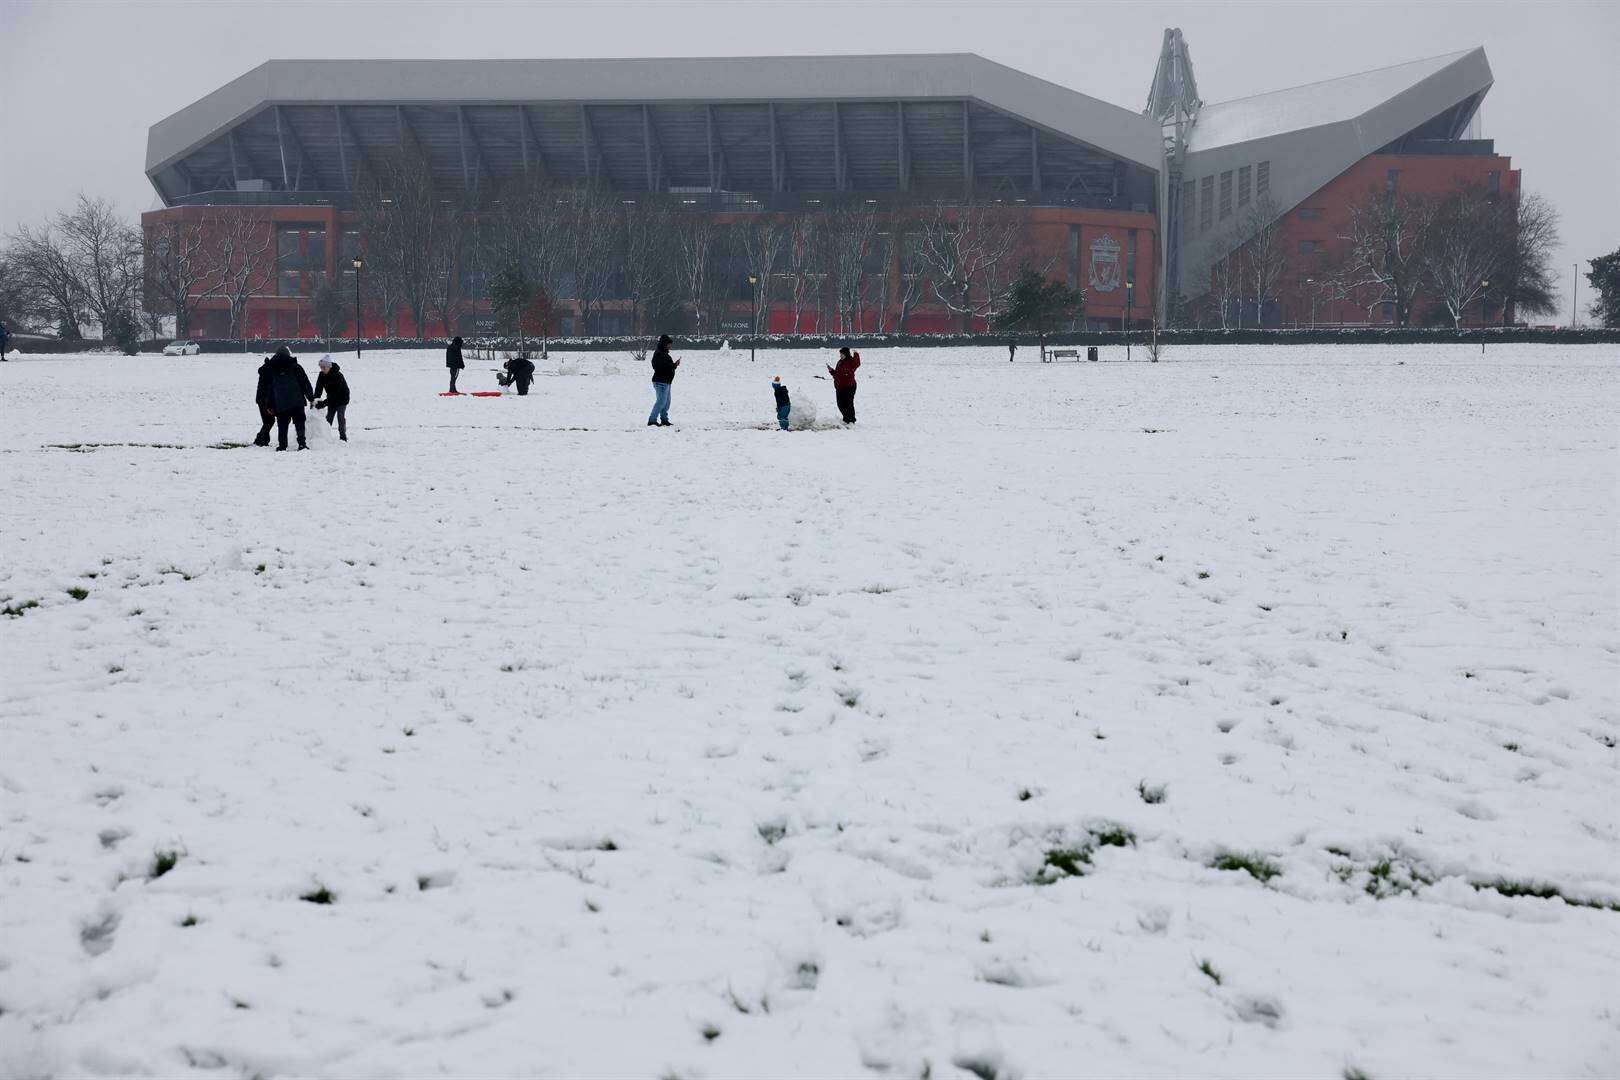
{"x":182,"y":348}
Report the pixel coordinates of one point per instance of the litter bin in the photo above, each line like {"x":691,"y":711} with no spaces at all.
{"x":1091,"y":353}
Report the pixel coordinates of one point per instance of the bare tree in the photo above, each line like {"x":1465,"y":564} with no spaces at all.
{"x":851,"y":232}
{"x":100,"y":247}
{"x":1264,"y":258}
{"x":1226,"y":280}
{"x":240,"y":253}
{"x":19,"y":303}
{"x":1527,"y":285}
{"x":45,"y":271}
{"x":589,"y":247}
{"x":804,"y":263}
{"x":646,"y":236}
{"x":695,"y":244}
{"x":763,"y":240}
{"x":409,"y":230}
{"x":176,"y":269}
{"x":1469,"y":241}
{"x":913,"y":267}
{"x":448,"y":300}
{"x":1387,"y":238}
{"x":972,"y":252}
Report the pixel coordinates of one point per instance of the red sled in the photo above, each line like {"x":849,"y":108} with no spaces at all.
{"x":473,"y":393}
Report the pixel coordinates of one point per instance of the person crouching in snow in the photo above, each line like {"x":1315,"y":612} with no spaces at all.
{"x":289,"y":390}
{"x":843,"y":377}
{"x":519,"y":373}
{"x":784,"y":405}
{"x":332,"y":393}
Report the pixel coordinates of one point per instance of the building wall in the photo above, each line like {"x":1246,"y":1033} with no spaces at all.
{"x":1090,"y":249}
{"x":1313,"y":232}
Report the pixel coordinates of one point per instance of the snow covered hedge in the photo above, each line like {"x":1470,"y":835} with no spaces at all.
{"x":1081,"y":338}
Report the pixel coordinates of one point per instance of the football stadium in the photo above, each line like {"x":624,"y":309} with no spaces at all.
{"x":841,"y":194}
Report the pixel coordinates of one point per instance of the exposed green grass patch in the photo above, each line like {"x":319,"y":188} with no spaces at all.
{"x":1256,"y":866}
{"x":162,"y":863}
{"x":78,"y":592}
{"x":1541,"y":890}
{"x":189,"y":920}
{"x":1209,"y":969}
{"x":607,"y":845}
{"x":1024,"y":794}
{"x":1152,"y":794}
{"x":1060,"y":863}
{"x":1113,"y":836}
{"x":710,"y":1033}
{"x":321,"y":895}
{"x":15,"y":611}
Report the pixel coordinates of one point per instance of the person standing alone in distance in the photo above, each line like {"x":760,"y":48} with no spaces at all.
{"x":663,"y":374}
{"x":453,"y":361}
{"x":843,"y":377}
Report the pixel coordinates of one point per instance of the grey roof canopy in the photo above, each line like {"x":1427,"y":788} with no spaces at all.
{"x":749,"y":123}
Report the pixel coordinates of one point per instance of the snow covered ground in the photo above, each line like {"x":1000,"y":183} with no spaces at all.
{"x":913,"y":749}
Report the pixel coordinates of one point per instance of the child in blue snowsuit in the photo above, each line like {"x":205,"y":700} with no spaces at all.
{"x":783,"y":405}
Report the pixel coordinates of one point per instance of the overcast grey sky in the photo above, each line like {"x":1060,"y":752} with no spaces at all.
{"x":82,"y":80}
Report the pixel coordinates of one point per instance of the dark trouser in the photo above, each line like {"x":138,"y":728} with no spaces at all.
{"x":453,"y":373}
{"x":522,"y":385}
{"x":296,"y":418}
{"x":263,"y":437}
{"x":342,"y":422}
{"x":846,"y":403}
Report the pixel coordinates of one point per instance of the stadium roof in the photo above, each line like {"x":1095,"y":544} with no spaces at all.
{"x":1330,"y":101}
{"x":906,"y":107}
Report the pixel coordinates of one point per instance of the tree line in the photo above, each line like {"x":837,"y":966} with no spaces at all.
{"x":1430,"y":258}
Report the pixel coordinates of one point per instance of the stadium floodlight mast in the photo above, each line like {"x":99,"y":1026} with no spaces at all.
{"x":357,"y":307}
{"x":753,"y":314}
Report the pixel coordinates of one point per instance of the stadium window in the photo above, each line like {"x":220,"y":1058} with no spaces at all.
{"x":1262,"y":179}
{"x":1310,"y":213}
{"x":1391,"y":178}
{"x":1496,"y":183}
{"x":1226,"y":194}
{"x":1245,"y":178}
{"x":1306,"y":247}
{"x":300,"y":257}
{"x":1206,"y":203}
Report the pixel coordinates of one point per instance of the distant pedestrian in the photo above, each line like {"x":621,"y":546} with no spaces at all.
{"x":289,"y":391}
{"x":5,"y":339}
{"x":1012,"y":350}
{"x":265,"y":398}
{"x":519,"y":373}
{"x":784,"y":404}
{"x":332,"y":393}
{"x":844,"y":382}
{"x":663,"y":367}
{"x":453,"y":361}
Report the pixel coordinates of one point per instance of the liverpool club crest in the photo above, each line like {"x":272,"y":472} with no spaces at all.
{"x":1105,"y":264}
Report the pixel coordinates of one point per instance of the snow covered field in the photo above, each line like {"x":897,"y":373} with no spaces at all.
{"x":913,"y":749}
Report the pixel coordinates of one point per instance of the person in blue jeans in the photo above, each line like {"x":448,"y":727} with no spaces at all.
{"x":784,"y":405}
{"x":663,"y":374}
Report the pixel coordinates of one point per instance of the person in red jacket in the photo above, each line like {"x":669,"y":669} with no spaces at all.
{"x":844,"y":382}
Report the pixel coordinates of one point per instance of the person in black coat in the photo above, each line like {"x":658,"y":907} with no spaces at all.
{"x":266,"y":400}
{"x":453,"y":361}
{"x":663,"y":375}
{"x":519,"y":373}
{"x":332,"y":391}
{"x":289,"y":391}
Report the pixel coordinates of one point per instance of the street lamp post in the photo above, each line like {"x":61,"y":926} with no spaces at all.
{"x":357,"y":307}
{"x":1312,"y":283}
{"x":753,"y":314}
{"x":1130,"y":293}
{"x":1483,"y":285}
